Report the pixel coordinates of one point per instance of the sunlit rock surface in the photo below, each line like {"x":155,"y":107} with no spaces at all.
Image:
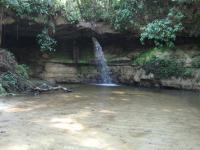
{"x":124,"y":74}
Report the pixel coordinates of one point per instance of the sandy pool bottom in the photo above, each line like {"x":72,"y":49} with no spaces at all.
{"x":106,"y":118}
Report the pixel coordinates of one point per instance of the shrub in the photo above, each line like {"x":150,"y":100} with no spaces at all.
{"x":146,"y":56}
{"x":196,"y":62}
{"x":127,"y":14}
{"x":12,"y":82}
{"x":47,"y":44}
{"x":33,"y":8}
{"x":2,"y":90}
{"x":9,"y":81}
{"x":123,"y":19}
{"x":8,"y":78}
{"x":22,"y":70}
{"x":164,"y":69}
{"x":72,"y":12}
{"x":188,"y":73}
{"x":163,"y":32}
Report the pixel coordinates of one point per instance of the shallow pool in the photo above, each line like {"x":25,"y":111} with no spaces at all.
{"x":97,"y":117}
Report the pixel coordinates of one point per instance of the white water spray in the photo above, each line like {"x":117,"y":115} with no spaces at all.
{"x":101,"y":62}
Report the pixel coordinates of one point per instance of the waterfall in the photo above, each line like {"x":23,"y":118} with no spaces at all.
{"x":101,"y":62}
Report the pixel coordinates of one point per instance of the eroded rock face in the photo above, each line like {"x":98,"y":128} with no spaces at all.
{"x":130,"y":74}
{"x":124,"y":74}
{"x":98,"y":27}
{"x":62,"y":31}
{"x":189,"y":84}
{"x":60,"y":73}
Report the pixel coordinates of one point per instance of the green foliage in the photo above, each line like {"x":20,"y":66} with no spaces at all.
{"x":13,"y":82}
{"x":163,"y":63}
{"x":163,"y":32}
{"x":8,"y":78}
{"x":13,"y":78}
{"x":72,"y":12}
{"x":198,"y":79}
{"x":191,"y":11}
{"x":187,"y":73}
{"x":47,"y":44}
{"x":33,"y":8}
{"x":94,"y":10}
{"x":2,"y":90}
{"x":196,"y":64}
{"x":143,"y":58}
{"x":126,"y":14}
{"x":123,"y":19}
{"x":22,"y":70}
{"x":146,"y":56}
{"x":131,"y":15}
{"x":163,"y":68}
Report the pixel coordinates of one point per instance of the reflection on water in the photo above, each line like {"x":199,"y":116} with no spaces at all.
{"x":104,"y":96}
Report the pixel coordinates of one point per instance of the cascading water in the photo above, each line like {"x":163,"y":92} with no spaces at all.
{"x":101,"y":62}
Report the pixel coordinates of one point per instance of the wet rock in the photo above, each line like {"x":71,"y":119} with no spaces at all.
{"x":47,"y":88}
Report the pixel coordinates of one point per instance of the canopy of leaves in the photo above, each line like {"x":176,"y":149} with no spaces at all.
{"x":124,"y":15}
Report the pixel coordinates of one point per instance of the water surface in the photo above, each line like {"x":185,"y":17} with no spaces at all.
{"x":97,"y":117}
